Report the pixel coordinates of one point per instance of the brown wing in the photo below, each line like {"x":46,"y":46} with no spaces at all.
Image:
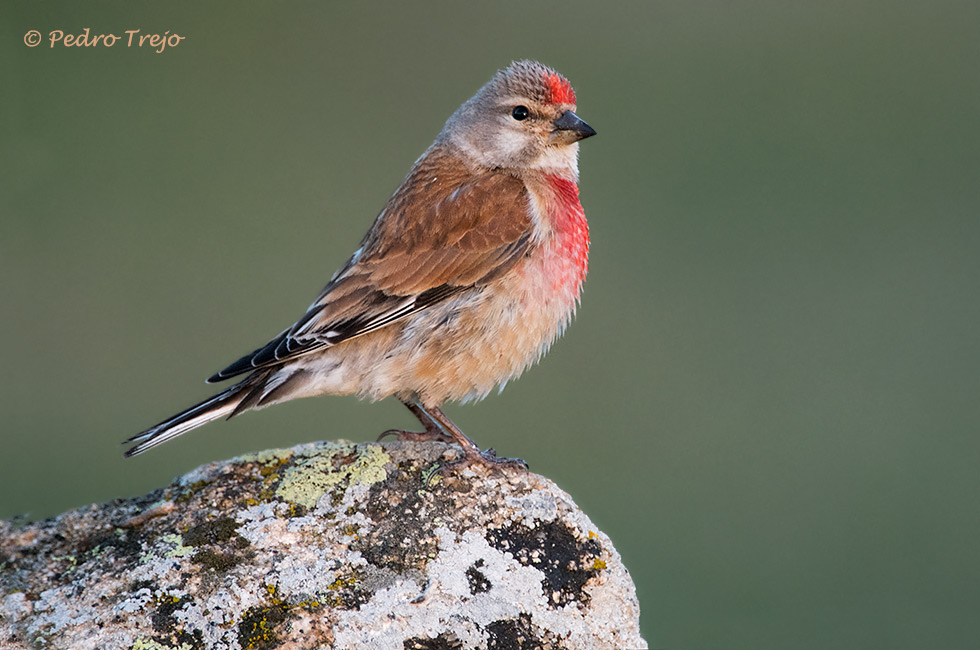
{"x":443,"y":231}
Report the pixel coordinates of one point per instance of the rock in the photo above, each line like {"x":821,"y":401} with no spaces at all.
{"x":327,"y":545}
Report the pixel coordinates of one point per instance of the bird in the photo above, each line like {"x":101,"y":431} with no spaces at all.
{"x":469,"y":273}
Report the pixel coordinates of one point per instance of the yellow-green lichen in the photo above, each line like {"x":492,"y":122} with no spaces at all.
{"x":431,"y":476}
{"x":270,"y":462}
{"x":178,"y":549}
{"x":142,"y":643}
{"x":72,"y":561}
{"x":97,"y":552}
{"x":269,"y":456}
{"x":312,"y":476}
{"x":188,"y":492}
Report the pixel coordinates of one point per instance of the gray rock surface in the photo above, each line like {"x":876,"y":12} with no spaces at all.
{"x":327,"y":545}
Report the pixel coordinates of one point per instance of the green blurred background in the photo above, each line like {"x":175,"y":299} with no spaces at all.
{"x":770,"y":398}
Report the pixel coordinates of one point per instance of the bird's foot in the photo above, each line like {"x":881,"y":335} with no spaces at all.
{"x":429,"y":435}
{"x":487,"y":459}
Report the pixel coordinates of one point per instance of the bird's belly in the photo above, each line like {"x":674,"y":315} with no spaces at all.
{"x":480,"y":340}
{"x":459,"y":349}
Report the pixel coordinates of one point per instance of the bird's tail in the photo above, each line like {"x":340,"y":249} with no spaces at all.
{"x":221,"y":405}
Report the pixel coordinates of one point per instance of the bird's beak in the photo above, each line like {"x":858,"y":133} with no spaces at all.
{"x":570,"y":128}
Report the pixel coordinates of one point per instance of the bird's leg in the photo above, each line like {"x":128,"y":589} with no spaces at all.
{"x":471,"y":453}
{"x":433,"y":431}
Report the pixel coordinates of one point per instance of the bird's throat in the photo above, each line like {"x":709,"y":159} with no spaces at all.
{"x":568,"y":258}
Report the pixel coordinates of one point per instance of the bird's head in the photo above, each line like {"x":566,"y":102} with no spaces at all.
{"x":523,"y":118}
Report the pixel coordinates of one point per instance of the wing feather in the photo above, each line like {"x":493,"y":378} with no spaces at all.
{"x":445,"y":230}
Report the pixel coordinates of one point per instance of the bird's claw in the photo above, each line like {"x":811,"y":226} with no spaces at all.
{"x":487,"y":459}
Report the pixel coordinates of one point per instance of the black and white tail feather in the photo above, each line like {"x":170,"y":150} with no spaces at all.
{"x":269,"y":382}
{"x":220,"y":405}
{"x":255,"y":391}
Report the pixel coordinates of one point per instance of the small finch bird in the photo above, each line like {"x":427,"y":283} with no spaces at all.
{"x":472,"y":269}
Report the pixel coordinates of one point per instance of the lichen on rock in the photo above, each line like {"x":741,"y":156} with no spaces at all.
{"x":326,"y":545}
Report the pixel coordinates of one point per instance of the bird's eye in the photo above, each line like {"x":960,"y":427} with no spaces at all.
{"x":520,"y":113}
